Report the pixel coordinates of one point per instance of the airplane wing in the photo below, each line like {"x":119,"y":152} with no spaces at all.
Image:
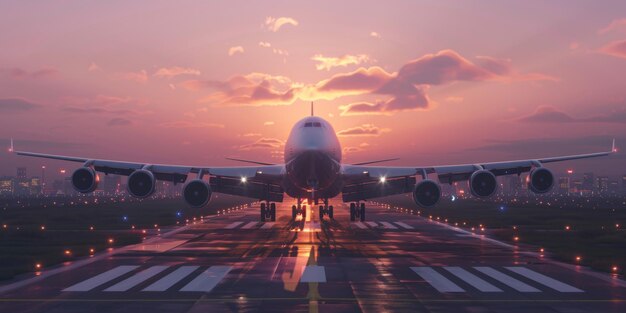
{"x":402,"y":179}
{"x":226,"y":178}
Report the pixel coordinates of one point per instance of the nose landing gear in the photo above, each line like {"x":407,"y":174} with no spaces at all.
{"x":326,"y":210}
{"x":268,"y":211}
{"x":298,"y":209}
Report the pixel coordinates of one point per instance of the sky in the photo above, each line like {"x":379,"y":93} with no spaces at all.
{"x":428,"y":82}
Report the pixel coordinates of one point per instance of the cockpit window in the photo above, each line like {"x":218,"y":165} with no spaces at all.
{"x":308,"y":124}
{"x":312,"y":124}
{"x":317,"y":124}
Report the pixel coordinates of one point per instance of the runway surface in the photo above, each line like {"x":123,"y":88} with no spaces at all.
{"x":393,"y":262}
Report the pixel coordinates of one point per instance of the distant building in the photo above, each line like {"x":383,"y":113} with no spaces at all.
{"x":613,"y":187}
{"x":577,"y":186}
{"x":21,"y":173}
{"x":6,"y":186}
{"x":35,"y":186}
{"x":588,"y":184}
{"x":602,"y":184}
{"x":564,"y":185}
{"x":512,"y":185}
{"x":112,"y":184}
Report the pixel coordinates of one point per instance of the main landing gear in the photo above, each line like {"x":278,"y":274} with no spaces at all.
{"x":299,"y":209}
{"x":268,"y":211}
{"x":326,"y":210}
{"x":357,"y":211}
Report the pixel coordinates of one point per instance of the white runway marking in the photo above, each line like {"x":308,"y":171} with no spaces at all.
{"x":404,"y":225}
{"x":437,"y":280}
{"x":171,"y":279}
{"x":506,"y":279}
{"x":268,"y":225}
{"x":102,"y":278}
{"x":207,"y":280}
{"x":249,"y":225}
{"x":472,"y":279}
{"x":313,"y":274}
{"x":360,"y":225}
{"x":137,"y":279}
{"x":543,"y":279}
{"x":233,"y":225}
{"x":372,"y":224}
{"x":388,"y":225}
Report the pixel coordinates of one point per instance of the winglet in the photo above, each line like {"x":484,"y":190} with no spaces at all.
{"x":613,"y":148}
{"x":11,"y":149}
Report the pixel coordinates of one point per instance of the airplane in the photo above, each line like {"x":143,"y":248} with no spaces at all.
{"x":313,"y":171}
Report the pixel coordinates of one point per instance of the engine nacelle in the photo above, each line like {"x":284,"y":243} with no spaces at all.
{"x":85,"y":180}
{"x":426,"y":193}
{"x":540,"y":180}
{"x":483,"y":183}
{"x":197,"y":193}
{"x":141,"y":183}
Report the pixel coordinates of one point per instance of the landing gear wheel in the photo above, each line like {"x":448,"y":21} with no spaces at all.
{"x":362,"y":213}
{"x":352,"y":212}
{"x":294,"y":212}
{"x":321,"y":212}
{"x":273,"y":212}
{"x":263,"y":212}
{"x":330,"y":212}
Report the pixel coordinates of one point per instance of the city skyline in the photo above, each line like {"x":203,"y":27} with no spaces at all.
{"x":231,"y":80}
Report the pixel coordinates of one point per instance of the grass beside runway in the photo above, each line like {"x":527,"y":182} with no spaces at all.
{"x":52,"y":231}
{"x":582,"y":231}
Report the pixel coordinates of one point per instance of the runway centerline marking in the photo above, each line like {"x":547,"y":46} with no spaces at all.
{"x":506,"y":279}
{"x":102,"y":278}
{"x":137,"y":278}
{"x":360,"y":225}
{"x":249,"y":225}
{"x":472,"y":279}
{"x":543,"y":279}
{"x":313,"y":274}
{"x":207,"y":280}
{"x":404,"y":225}
{"x":372,"y":224}
{"x":233,"y":225}
{"x":437,"y":280}
{"x":388,"y":225}
{"x":172,"y":278}
{"x":267,"y":225}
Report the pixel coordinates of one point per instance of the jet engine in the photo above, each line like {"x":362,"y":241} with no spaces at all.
{"x":85,"y":180}
{"x":483,"y":183}
{"x":540,"y":180}
{"x":426,"y":193}
{"x":197,"y":193}
{"x":141,"y":183}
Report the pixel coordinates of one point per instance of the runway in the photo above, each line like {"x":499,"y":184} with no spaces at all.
{"x":393,"y":262}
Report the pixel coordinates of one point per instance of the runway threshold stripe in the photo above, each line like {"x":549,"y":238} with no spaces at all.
{"x":388,"y":225}
{"x":372,"y":224}
{"x":137,"y":279}
{"x":506,"y":279}
{"x":171,"y":279}
{"x":543,"y":279}
{"x":101,"y":279}
{"x":233,"y":225}
{"x":360,"y":225}
{"x":472,"y":279}
{"x":207,"y":280}
{"x":436,"y":280}
{"x":267,"y":225}
{"x":404,"y":225}
{"x":313,"y":274}
{"x":249,"y":225}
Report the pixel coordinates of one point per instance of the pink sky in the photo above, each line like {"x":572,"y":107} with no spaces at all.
{"x":431,"y":82}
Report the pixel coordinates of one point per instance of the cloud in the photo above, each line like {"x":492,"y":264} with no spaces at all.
{"x":327,"y":63}
{"x":190,"y":124}
{"x":363,"y":130}
{"x":139,"y":77}
{"x":263,"y":143}
{"x":375,"y":35}
{"x":175,"y":71}
{"x":251,"y":135}
{"x":102,"y":104}
{"x":265,"y":44}
{"x":234,"y":50}
{"x":93,"y":67}
{"x":14,"y":105}
{"x":454,"y":99}
{"x":549,"y":114}
{"x":19,"y":73}
{"x":615,"y":24}
{"x":615,"y":48}
{"x":349,"y":150}
{"x":119,"y":121}
{"x":268,"y":123}
{"x":274,"y":24}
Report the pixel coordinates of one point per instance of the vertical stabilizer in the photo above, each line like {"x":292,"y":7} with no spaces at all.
{"x":312,"y":109}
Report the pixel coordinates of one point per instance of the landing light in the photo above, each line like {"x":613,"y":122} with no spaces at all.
{"x":383,"y":179}
{"x":244,"y":180}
